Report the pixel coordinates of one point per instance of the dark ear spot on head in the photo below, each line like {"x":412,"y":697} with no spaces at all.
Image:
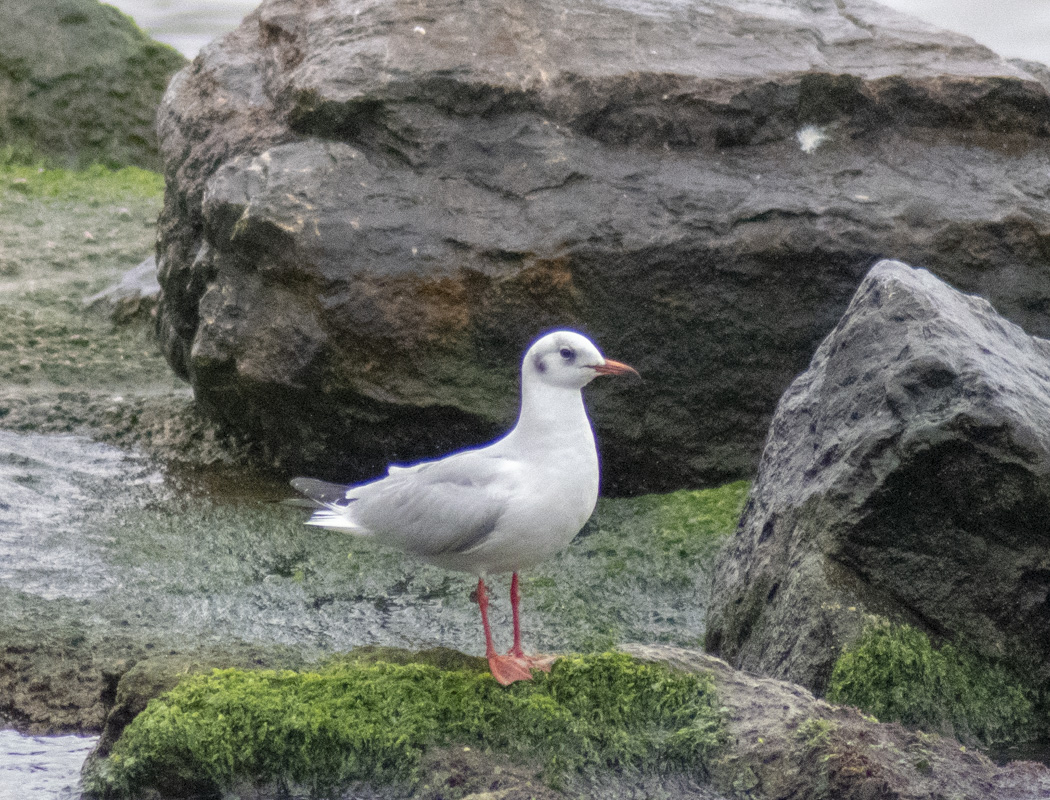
{"x":537,"y":361}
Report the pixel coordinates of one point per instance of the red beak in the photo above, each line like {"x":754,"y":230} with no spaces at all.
{"x":614,"y":368}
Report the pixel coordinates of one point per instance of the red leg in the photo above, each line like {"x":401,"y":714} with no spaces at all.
{"x":534,"y":662}
{"x":482,"y":597}
{"x":515,"y":599}
{"x":505,"y":669}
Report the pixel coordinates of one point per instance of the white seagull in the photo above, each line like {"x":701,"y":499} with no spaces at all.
{"x":499,"y":508}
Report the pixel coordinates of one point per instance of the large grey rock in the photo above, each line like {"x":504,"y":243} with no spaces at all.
{"x":372,"y":208}
{"x":906,"y":474}
{"x":79,"y":83}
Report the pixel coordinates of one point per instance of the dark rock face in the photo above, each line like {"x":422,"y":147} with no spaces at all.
{"x":906,"y":474}
{"x":80,"y":83}
{"x":371,"y":211}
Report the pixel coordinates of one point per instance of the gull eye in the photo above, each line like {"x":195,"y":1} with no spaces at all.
{"x":567,"y":354}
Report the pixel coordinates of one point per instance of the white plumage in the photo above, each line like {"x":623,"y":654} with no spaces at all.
{"x":498,"y":508}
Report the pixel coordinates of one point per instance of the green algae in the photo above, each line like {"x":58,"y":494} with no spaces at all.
{"x":94,"y":185}
{"x":214,"y":562}
{"x":357,"y":721}
{"x":639,"y":571}
{"x":64,"y":235}
{"x":895,"y":673}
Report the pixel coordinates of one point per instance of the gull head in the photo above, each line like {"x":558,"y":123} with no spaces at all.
{"x":568,"y":360}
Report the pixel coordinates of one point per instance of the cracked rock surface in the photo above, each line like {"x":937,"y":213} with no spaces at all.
{"x":373,"y":208}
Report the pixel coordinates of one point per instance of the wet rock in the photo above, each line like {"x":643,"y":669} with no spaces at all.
{"x":371,"y":212}
{"x":132,"y":684}
{"x":906,"y":475}
{"x":133,"y":297}
{"x":784,"y":742}
{"x":80,"y":83}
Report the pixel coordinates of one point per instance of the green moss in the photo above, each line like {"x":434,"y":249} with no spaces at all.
{"x":689,"y":523}
{"x":895,"y":673}
{"x":95,"y":184}
{"x":639,"y":571}
{"x":815,"y":733}
{"x":373,"y":721}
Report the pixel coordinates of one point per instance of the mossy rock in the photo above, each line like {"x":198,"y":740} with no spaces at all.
{"x":369,"y":720}
{"x":895,"y":673}
{"x":79,"y":83}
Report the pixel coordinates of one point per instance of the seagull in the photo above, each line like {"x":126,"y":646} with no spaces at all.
{"x":499,"y":508}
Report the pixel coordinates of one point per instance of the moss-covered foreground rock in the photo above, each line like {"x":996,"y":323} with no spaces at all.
{"x":373,"y":722}
{"x":894,"y":673}
{"x":434,"y":725}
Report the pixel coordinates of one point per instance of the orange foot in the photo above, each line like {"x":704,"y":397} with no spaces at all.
{"x":508,"y":669}
{"x":533,"y":662}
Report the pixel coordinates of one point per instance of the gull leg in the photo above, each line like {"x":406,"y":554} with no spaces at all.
{"x":534,"y":662}
{"x":515,"y":598}
{"x":505,"y":669}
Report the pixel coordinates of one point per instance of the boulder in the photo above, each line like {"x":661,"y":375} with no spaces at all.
{"x":372,"y":209}
{"x":906,"y":475}
{"x":80,"y":83}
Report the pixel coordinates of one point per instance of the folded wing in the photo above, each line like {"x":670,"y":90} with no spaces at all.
{"x":434,"y":508}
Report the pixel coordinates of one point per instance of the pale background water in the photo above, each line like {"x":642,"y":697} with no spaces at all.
{"x":1013,"y":28}
{"x":47,"y":768}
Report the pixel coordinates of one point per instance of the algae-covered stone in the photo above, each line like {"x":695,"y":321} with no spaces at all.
{"x":79,"y":82}
{"x":785,"y":743}
{"x":374,"y":722}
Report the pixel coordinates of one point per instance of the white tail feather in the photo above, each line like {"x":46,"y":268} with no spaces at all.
{"x":335,"y":518}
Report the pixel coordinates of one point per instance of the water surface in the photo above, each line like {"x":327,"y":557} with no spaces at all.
{"x":41,"y":767}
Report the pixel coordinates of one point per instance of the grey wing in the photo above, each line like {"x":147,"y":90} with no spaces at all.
{"x":447,"y":506}
{"x":320,"y":492}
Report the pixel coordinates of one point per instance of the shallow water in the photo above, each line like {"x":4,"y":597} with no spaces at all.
{"x":49,"y":486}
{"x":41,"y":767}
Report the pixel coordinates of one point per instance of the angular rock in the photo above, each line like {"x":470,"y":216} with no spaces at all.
{"x":906,"y":474}
{"x":80,"y":83}
{"x":371,"y":211}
